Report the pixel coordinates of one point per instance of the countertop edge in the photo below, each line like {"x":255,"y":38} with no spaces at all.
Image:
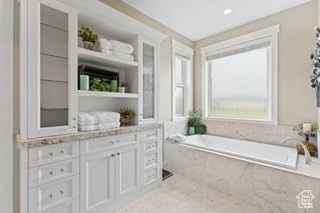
{"x":43,"y":141}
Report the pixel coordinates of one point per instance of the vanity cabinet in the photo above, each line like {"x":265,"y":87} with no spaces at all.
{"x":51,"y":68}
{"x":112,"y":175}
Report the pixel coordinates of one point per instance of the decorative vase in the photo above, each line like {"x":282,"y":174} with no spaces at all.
{"x":121,"y":89}
{"x":191,"y":130}
{"x":88,"y":45}
{"x":114,"y":85}
{"x":125,"y":121}
{"x":84,"y":82}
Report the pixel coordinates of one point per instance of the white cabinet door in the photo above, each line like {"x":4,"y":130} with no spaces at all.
{"x":127,"y":171}
{"x":52,"y":68}
{"x":148,"y":74}
{"x":97,"y":181}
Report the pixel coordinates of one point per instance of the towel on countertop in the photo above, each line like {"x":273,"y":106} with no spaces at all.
{"x":115,"y":46}
{"x":96,"y":127}
{"x":177,"y":138}
{"x":116,"y":54}
{"x":97,"y":117}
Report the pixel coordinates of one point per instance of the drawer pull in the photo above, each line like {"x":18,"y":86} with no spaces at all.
{"x":118,"y":153}
{"x":61,"y":170}
{"x":50,"y":173}
{"x":112,"y":155}
{"x":61,"y":151}
{"x":112,"y":142}
{"x":61,"y":191}
{"x":50,"y":195}
{"x":51,"y":154}
{"x":118,"y":141}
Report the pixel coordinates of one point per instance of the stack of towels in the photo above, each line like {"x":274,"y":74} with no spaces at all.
{"x":115,"y":48}
{"x":98,"y":120}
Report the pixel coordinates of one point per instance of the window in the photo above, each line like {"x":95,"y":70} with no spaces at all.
{"x":240,"y":77}
{"x":182,"y":71}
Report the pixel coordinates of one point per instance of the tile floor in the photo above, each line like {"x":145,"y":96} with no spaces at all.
{"x":180,"y":195}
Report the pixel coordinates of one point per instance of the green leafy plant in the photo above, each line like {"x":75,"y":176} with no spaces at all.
{"x":201,"y":129}
{"x":126,"y":113}
{"x":195,"y":121}
{"x":87,"y":35}
{"x":100,"y":84}
{"x":195,"y":115}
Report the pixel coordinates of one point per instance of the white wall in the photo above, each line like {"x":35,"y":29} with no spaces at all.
{"x":6,"y":105}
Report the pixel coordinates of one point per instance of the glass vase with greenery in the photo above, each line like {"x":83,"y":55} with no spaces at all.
{"x":194,"y":124}
{"x":100,"y":84}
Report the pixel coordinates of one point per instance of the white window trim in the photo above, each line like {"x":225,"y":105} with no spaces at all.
{"x":188,"y":52}
{"x":272,"y":31}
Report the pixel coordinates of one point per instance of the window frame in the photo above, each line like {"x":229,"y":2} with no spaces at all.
{"x":188,"y":53}
{"x":273,"y":32}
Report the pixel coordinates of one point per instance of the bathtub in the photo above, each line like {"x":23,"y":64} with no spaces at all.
{"x":254,"y":151}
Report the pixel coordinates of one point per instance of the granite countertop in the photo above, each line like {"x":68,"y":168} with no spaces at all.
{"x":34,"y":142}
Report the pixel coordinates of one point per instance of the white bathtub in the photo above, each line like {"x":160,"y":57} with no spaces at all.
{"x":260,"y":152}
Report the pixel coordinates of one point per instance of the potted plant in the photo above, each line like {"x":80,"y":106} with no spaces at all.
{"x":88,"y":37}
{"x":125,"y":86}
{"x":194,"y":121}
{"x":307,"y":130}
{"x":126,"y":115}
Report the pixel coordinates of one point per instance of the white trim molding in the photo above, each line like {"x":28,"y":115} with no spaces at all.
{"x":188,"y":53}
{"x":273,"y":32}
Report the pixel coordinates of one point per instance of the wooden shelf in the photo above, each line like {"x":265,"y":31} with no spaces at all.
{"x":98,"y":58}
{"x":83,"y":93}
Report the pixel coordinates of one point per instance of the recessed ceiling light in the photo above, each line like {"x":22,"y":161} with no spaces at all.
{"x":227,"y":11}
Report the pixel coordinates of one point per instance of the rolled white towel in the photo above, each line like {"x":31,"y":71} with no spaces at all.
{"x":97,"y":117}
{"x":96,"y":127}
{"x":116,"y":54}
{"x":102,"y":43}
{"x":120,"y":46}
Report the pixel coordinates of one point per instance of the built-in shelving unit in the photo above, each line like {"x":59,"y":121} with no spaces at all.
{"x":83,"y":93}
{"x":101,"y":59}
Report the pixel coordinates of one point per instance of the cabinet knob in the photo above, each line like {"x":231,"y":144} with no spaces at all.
{"x":112,"y":142}
{"x":50,"y":173}
{"x":61,"y":151}
{"x":50,"y":153}
{"x":118,"y":153}
{"x":61,"y":170}
{"x":61,"y":191}
{"x":74,"y":119}
{"x":51,"y":195}
{"x":118,"y":141}
{"x":112,"y":155}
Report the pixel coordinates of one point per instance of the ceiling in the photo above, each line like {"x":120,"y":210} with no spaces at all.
{"x":198,"y":19}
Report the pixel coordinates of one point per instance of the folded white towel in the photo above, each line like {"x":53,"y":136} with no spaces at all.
{"x":115,"y":45}
{"x":116,"y":54}
{"x":96,"y":127}
{"x":97,"y":117}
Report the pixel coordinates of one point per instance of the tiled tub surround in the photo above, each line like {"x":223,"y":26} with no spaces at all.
{"x":82,"y":136}
{"x":269,"y":189}
{"x":264,"y":133}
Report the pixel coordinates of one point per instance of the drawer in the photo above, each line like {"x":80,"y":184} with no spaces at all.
{"x":95,"y":145}
{"x":51,"y":172}
{"x":151,"y":176}
{"x":151,"y":146}
{"x":53,"y":153}
{"x":70,"y":207}
{"x":150,"y":160}
{"x":48,"y":196}
{"x":151,"y":134}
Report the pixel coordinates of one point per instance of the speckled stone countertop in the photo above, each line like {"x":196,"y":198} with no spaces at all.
{"x":34,"y":142}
